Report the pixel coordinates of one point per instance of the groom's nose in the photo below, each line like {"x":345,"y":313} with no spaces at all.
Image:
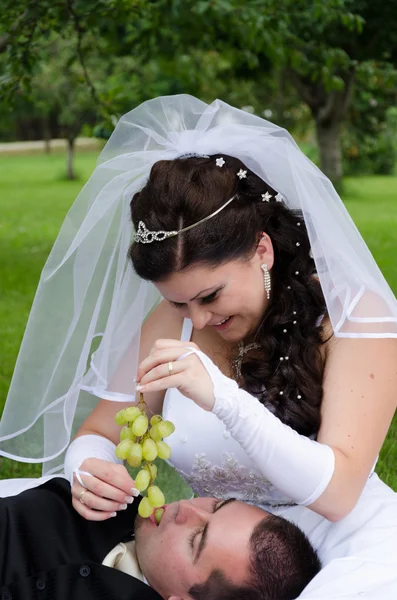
{"x":189,"y":512}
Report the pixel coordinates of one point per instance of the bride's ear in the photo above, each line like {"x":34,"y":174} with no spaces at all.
{"x":175,"y":598}
{"x":264,"y":252}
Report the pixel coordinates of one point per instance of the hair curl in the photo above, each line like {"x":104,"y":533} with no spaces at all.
{"x":286,"y":372}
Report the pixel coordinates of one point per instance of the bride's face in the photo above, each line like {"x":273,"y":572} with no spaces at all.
{"x":231,"y":298}
{"x":194,"y":538}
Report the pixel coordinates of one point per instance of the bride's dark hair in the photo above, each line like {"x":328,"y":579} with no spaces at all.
{"x":181,"y":192}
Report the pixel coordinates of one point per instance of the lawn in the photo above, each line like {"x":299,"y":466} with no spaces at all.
{"x":34,"y":199}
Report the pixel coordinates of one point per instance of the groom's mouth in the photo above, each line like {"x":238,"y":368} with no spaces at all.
{"x":156,"y":517}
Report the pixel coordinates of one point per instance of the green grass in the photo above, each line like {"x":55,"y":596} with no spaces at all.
{"x":34,"y":199}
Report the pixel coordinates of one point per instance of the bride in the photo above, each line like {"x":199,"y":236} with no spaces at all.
{"x":273,"y":348}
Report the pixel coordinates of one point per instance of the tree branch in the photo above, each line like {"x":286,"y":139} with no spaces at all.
{"x":5,"y":39}
{"x":80,"y":52}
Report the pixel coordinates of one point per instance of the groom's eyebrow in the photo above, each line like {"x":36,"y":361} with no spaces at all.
{"x":204,"y":536}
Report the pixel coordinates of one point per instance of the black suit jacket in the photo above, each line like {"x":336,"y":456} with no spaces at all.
{"x":49,"y":552}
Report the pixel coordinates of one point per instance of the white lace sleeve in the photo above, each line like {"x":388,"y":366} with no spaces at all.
{"x":299,"y":467}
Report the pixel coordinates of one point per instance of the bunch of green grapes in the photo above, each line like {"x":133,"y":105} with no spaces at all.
{"x":141,"y":441}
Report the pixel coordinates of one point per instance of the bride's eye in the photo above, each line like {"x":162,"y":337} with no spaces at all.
{"x":208,"y":299}
{"x":176,"y":304}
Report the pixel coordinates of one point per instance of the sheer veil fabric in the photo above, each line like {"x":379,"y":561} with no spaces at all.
{"x":82,"y":337}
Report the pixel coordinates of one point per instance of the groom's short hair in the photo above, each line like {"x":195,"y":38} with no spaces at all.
{"x":282,"y":563}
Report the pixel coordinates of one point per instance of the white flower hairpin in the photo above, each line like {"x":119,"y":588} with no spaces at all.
{"x":266,"y":197}
{"x":220,"y":162}
{"x":242,"y":174}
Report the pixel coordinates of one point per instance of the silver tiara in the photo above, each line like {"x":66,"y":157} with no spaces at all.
{"x":144,"y":236}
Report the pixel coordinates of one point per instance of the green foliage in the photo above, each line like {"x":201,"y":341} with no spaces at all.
{"x":369,"y":140}
{"x":131,"y":50}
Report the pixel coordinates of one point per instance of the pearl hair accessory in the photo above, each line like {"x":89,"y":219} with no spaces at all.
{"x":266,"y":279}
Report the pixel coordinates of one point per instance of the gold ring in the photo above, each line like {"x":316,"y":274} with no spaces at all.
{"x":170,"y":369}
{"x":81,"y":496}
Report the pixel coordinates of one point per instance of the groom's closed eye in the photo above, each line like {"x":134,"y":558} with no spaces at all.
{"x":204,"y":535}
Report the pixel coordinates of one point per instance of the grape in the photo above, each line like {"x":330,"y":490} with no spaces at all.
{"x":140,"y":443}
{"x":166,"y":428}
{"x":123,"y":448}
{"x":152,"y":470}
{"x":164,"y":451}
{"x":156,"y":496}
{"x":149,"y":450}
{"x":140,"y":425}
{"x":134,"y":457}
{"x":155,"y":433}
{"x":132,"y":413}
{"x":142,"y":480}
{"x":145,"y":509}
{"x":126,"y":434}
{"x":120,"y":418}
{"x":158,"y":515}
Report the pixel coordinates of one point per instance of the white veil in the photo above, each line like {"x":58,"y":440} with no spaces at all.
{"x":82,"y":337}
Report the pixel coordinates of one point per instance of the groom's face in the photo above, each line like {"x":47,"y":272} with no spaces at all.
{"x":194,"y":538}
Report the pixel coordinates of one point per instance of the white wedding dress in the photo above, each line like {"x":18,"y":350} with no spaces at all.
{"x":359,"y":553}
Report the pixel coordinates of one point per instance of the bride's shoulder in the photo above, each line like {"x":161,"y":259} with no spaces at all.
{"x":163,"y":322}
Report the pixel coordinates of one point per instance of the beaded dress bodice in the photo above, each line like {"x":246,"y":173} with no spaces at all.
{"x":208,"y":458}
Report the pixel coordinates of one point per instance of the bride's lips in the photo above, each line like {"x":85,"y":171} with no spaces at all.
{"x":224,"y":325}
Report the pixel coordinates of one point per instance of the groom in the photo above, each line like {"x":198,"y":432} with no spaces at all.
{"x":203,"y":549}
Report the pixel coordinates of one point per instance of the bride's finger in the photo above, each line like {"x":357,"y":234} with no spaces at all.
{"x":164,"y":344}
{"x":106,"y":472}
{"x":158,"y":358}
{"x":172,"y":381}
{"x":91,"y":507}
{"x":165,"y":370}
{"x":105,"y":490}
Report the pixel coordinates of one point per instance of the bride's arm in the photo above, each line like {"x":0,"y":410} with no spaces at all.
{"x":163,"y":322}
{"x":360,"y":397}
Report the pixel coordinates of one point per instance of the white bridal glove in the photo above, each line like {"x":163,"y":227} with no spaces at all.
{"x":299,"y":467}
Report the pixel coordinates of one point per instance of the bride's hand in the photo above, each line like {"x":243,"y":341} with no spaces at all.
{"x":187,"y":373}
{"x":108,"y":490}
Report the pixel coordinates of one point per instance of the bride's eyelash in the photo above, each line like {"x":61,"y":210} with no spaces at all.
{"x":176,"y":304}
{"x":206,"y":300}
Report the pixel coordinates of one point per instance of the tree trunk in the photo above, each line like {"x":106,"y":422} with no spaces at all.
{"x":329,"y":145}
{"x":47,"y":135}
{"x":69,"y":159}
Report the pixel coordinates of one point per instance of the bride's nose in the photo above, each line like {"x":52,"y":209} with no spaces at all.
{"x":200,"y":316}
{"x":189,"y":512}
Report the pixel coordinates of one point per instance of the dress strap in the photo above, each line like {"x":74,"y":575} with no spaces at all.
{"x":187,"y":329}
